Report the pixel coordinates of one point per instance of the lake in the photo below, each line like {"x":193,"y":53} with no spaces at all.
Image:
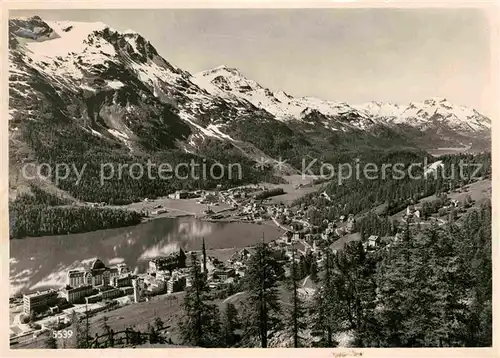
{"x":38,"y":263}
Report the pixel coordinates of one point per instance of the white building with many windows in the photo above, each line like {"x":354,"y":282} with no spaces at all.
{"x":96,"y":275}
{"x":39,"y":301}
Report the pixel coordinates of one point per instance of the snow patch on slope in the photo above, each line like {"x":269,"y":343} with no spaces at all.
{"x":87,"y":88}
{"x":433,"y":167}
{"x":118,"y":134}
{"x":115,"y":84}
{"x":229,"y":82}
{"x":216,"y":129}
{"x":72,"y":38}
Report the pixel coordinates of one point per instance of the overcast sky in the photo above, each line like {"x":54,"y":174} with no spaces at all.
{"x":352,"y":55}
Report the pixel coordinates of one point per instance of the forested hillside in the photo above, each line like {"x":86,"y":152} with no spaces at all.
{"x":432,"y":288}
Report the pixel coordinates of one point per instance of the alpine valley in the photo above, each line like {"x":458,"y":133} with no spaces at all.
{"x":279,"y":253}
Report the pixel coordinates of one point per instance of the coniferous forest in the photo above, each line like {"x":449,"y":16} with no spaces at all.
{"x":431,"y":288}
{"x":40,"y":213}
{"x":392,"y":192}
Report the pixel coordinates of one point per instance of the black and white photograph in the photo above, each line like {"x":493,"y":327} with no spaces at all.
{"x":250,"y":177}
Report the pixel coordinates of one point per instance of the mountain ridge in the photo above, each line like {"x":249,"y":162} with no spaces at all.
{"x":215,"y":81}
{"x":422,"y":110}
{"x":113,"y":92}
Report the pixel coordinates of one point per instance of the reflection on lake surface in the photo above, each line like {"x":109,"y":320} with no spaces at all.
{"x":42,"y":262}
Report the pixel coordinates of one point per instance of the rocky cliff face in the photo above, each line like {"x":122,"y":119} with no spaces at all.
{"x":84,"y":89}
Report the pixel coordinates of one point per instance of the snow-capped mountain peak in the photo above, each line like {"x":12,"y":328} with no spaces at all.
{"x":222,"y":70}
{"x":227,"y":81}
{"x":230,"y":82}
{"x":120,"y":76}
{"x":122,"y":72}
{"x":71,"y":37}
{"x":427,"y":113}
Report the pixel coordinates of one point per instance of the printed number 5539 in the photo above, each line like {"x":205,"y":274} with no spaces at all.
{"x":62,"y":334}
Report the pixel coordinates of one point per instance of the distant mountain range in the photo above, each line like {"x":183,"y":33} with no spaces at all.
{"x":113,"y":91}
{"x":227,"y":82}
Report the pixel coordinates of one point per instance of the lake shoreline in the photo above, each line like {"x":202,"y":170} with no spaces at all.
{"x":42,"y":262}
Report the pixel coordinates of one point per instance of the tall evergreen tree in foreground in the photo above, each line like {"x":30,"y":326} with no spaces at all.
{"x":430,"y":291}
{"x":77,"y":331}
{"x":86,"y":329}
{"x":204,"y":253}
{"x":230,"y":323}
{"x":81,"y":331}
{"x":321,"y":311}
{"x":200,"y":325}
{"x":354,"y":290}
{"x":476,"y":249}
{"x":262,"y":307}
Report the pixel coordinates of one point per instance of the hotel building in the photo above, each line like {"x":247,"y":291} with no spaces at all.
{"x":168,"y":263}
{"x":96,"y":275}
{"x":177,"y":282}
{"x":77,"y":294}
{"x":106,"y":293}
{"x":39,"y":301}
{"x":122,"y":280}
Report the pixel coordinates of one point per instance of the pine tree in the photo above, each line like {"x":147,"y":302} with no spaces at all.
{"x":201,"y":322}
{"x":81,"y":333}
{"x":262,"y":303}
{"x":296,"y":315}
{"x":86,"y":330}
{"x":77,"y":331}
{"x":230,"y":323}
{"x":477,"y":255}
{"x":314,"y":271}
{"x":321,"y":311}
{"x":424,"y":288}
{"x":204,"y":252}
{"x":50,"y":342}
{"x":318,"y":316}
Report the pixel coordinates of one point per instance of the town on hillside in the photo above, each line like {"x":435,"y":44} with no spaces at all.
{"x":98,"y":288}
